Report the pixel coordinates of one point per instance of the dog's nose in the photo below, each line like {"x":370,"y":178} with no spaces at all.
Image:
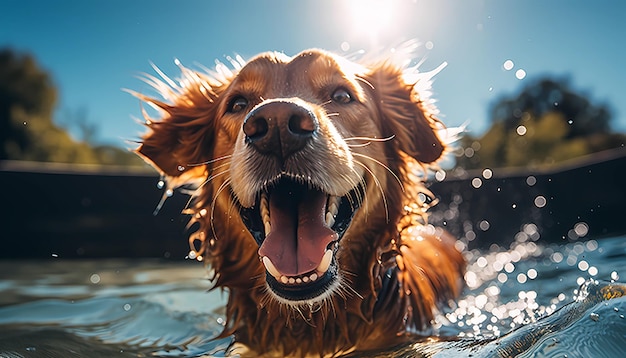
{"x":280,"y":127}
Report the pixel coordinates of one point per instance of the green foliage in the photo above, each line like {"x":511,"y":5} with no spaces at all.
{"x":27,"y":132}
{"x":546,"y":123}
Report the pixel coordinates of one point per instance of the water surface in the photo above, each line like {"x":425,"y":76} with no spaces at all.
{"x":140,"y":308}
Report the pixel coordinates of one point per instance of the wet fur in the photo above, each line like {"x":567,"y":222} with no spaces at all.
{"x":395,"y":270}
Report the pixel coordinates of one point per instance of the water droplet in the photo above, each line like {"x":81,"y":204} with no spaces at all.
{"x":487,"y":173}
{"x":127,"y":307}
{"x":581,"y":229}
{"x":502,"y":277}
{"x":484,"y":225}
{"x":508,"y":65}
{"x":181,"y":168}
{"x":570,"y":122}
{"x":594,"y":317}
{"x":95,"y":278}
{"x":521,"y":130}
{"x":429,"y":45}
{"x":614,"y":276}
{"x":540,"y":201}
{"x":169,"y":192}
{"x":520,"y":74}
{"x":161,"y":184}
{"x":531,"y":180}
{"x":477,"y":183}
{"x":345,"y":46}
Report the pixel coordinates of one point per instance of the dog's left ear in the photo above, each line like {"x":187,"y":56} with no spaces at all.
{"x":405,"y":114}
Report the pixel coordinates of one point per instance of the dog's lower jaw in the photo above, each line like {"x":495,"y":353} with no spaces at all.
{"x":328,"y":287}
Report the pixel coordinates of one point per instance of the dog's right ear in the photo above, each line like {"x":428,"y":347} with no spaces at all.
{"x":182,"y":139}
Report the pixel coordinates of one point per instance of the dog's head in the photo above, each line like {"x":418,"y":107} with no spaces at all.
{"x":304,"y":166}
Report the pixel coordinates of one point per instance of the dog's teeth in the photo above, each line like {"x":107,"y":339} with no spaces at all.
{"x":332,"y":210}
{"x":265,"y":214}
{"x":321,"y":269}
{"x":333,"y":204}
{"x":330,"y":219}
{"x":325,"y":263}
{"x":269,"y":266}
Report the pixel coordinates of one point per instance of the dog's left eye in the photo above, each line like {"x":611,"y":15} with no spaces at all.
{"x":237,"y":104}
{"x":341,"y":96}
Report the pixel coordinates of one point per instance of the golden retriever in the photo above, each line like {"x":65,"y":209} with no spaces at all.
{"x":308,"y":200}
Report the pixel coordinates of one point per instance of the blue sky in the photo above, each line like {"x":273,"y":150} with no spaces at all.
{"x":94,"y":49}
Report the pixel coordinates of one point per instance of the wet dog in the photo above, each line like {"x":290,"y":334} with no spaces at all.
{"x":308,"y":197}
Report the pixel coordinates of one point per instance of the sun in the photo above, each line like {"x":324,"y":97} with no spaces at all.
{"x":371,"y":17}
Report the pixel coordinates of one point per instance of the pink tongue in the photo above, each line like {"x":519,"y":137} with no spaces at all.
{"x":299,"y":236}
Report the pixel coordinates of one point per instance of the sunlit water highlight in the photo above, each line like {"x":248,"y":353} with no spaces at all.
{"x":133,"y":308}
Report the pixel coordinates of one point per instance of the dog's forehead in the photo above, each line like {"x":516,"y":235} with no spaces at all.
{"x":315,"y":68}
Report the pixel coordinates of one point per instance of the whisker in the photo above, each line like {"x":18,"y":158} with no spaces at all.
{"x":196,"y":191}
{"x":347,"y":285}
{"x":211,"y":161}
{"x":372,"y":139}
{"x":380,"y":187}
{"x":218,"y":192}
{"x":366,"y":82}
{"x":356,"y":201}
{"x":359,"y":145}
{"x":368,"y":141}
{"x":382,"y":165}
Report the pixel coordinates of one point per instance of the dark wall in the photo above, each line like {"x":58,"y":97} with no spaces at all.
{"x":589,"y":196}
{"x":88,"y":215}
{"x":74,"y":214}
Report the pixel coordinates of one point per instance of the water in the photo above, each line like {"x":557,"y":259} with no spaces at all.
{"x":139,"y":308}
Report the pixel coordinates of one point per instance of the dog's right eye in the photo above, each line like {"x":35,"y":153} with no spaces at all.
{"x":237,"y":104}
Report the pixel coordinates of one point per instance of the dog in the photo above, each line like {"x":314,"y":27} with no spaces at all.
{"x":308,"y":201}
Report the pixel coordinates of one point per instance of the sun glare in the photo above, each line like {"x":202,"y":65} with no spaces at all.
{"x":371,"y":17}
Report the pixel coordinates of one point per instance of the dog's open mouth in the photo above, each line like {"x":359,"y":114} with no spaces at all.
{"x":298,"y":228}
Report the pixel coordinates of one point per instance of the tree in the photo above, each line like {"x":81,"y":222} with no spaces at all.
{"x":545,"y":124}
{"x":27,"y":132}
